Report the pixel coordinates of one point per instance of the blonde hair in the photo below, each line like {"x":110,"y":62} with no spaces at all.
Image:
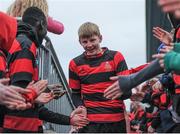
{"x":88,"y":29}
{"x":17,"y":8}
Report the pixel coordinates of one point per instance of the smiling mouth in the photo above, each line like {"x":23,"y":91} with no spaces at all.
{"x":91,"y":49}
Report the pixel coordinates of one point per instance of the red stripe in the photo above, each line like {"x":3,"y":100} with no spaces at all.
{"x":111,"y":103}
{"x":74,"y":84}
{"x":33,"y":49}
{"x":125,"y":72}
{"x":30,"y":97}
{"x":118,"y":58}
{"x":176,"y":79}
{"x":36,"y":74}
{"x":106,"y":117}
{"x":20,"y":123}
{"x":1,"y":130}
{"x":106,"y":66}
{"x":178,"y":33}
{"x":2,"y":64}
{"x":177,"y":91}
{"x":15,"y":47}
{"x":137,"y":69}
{"x":149,"y":124}
{"x":72,"y":65}
{"x":21,"y":65}
{"x":94,"y":88}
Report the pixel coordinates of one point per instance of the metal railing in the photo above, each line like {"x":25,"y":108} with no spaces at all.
{"x":50,"y":69}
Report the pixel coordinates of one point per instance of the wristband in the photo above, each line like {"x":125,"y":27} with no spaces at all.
{"x":30,"y":97}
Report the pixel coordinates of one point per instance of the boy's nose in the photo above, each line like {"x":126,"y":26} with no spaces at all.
{"x":89,"y":44}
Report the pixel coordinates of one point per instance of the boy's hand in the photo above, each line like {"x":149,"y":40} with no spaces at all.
{"x":44,"y":98}
{"x":11,"y":97}
{"x":39,"y":86}
{"x":162,"y":35}
{"x":113,"y":91}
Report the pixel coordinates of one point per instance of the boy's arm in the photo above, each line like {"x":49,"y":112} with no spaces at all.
{"x":50,"y":116}
{"x":21,"y":66}
{"x":2,"y":65}
{"x":74,"y":84}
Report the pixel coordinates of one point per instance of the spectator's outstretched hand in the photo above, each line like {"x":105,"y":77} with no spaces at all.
{"x":162,"y":35}
{"x":11,"y":97}
{"x":39,"y":86}
{"x":137,"y":94}
{"x":5,"y":81}
{"x":113,"y":91}
{"x":79,"y":117}
{"x":80,"y":110}
{"x":44,"y":98}
{"x":150,"y":129}
{"x":170,"y":6}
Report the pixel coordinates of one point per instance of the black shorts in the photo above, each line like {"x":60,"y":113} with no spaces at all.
{"x":115,"y":127}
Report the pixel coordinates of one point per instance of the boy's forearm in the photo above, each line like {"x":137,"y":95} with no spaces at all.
{"x":50,"y":116}
{"x":126,"y":83}
{"x":76,"y":98}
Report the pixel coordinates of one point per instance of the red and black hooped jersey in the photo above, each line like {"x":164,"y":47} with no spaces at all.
{"x":22,"y":68}
{"x":2,"y":64}
{"x":2,"y":75}
{"x":90,"y":76}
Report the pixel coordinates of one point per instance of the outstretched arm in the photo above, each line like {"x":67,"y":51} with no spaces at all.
{"x":124,"y":84}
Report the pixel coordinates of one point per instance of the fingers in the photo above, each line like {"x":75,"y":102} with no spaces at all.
{"x":5,"y":81}
{"x":166,"y":2}
{"x":166,"y":49}
{"x":17,"y":106}
{"x":159,"y":56}
{"x":169,"y":5}
{"x":31,"y":83}
{"x":20,"y":90}
{"x":156,"y":36}
{"x":157,"y":32}
{"x":160,"y":30}
{"x":114,"y":78}
{"x":116,"y":96}
{"x":13,"y":94}
{"x":44,"y":98}
{"x":177,"y":13}
{"x":39,"y":86}
{"x":110,"y":89}
{"x":54,"y":86}
{"x":14,"y":100}
{"x":113,"y":91}
{"x":79,"y":120}
{"x":161,"y":62}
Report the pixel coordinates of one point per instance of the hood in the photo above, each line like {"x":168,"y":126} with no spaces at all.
{"x":8,"y":31}
{"x":29,"y":31}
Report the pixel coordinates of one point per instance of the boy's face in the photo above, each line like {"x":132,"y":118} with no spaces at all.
{"x":91,"y":45}
{"x":42,"y":30}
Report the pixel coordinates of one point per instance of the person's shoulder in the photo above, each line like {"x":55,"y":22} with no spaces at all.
{"x":78,"y":60}
{"x":114,"y":52}
{"x":79,"y":57}
{"x":24,"y":41}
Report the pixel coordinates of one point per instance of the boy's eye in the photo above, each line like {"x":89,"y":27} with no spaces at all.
{"x":84,"y":42}
{"x":92,"y":40}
